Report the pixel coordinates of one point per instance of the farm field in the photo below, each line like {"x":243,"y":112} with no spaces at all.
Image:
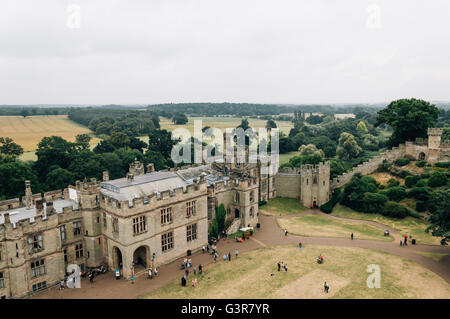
{"x":408,"y":225}
{"x":27,"y":132}
{"x":223,"y":123}
{"x":255,"y":275}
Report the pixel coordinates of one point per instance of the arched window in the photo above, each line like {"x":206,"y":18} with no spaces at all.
{"x":251,"y":196}
{"x":237,"y":197}
{"x":251,"y":211}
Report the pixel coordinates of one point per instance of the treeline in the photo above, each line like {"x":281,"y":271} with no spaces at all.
{"x":60,"y":163}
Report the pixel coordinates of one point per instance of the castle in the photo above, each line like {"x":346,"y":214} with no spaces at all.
{"x":150,"y":217}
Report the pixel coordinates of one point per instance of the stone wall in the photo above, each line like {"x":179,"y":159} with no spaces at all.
{"x":288,"y":185}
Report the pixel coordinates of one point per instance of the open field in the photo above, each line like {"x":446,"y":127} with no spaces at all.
{"x":344,"y":269}
{"x":27,"y":132}
{"x":281,"y":206}
{"x":409,"y":225}
{"x":223,"y":123}
{"x":323,"y":226}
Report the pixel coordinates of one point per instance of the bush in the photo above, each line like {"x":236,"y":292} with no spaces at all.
{"x":421,"y":163}
{"x":393,"y":209}
{"x":328,"y":206}
{"x":382,"y":186}
{"x":262,"y":203}
{"x":420,"y":206}
{"x":443,"y":164}
{"x":393,"y":182}
{"x":410,"y":181}
{"x":420,"y":193}
{"x":396,"y":193}
{"x":425,"y":175}
{"x":414,"y":214}
{"x":437,"y":179}
{"x":374,"y":202}
{"x":402,"y":161}
{"x":421,"y":183}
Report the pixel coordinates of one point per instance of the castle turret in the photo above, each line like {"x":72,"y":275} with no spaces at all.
{"x":315,"y":184}
{"x":434,"y":144}
{"x":28,"y":195}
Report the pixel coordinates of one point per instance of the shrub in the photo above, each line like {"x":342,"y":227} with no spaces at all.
{"x":410,"y":181}
{"x":420,"y":206}
{"x":437,"y":179}
{"x":420,"y":193}
{"x":393,"y":209}
{"x":396,"y":193}
{"x":425,"y":175}
{"x":382,"y":186}
{"x":421,"y":163}
{"x":414,"y":214}
{"x":443,"y":164}
{"x":421,"y":183}
{"x":402,"y":161}
{"x":328,"y":206}
{"x":262,"y":203}
{"x":393,"y":182}
{"x":374,"y":202}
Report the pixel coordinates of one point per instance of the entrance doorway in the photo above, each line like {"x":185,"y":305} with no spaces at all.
{"x":118,"y":264}
{"x":140,"y":257}
{"x":236,"y":213}
{"x":421,"y":156}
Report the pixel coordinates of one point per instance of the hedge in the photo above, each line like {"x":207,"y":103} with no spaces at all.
{"x":327,"y":208}
{"x":402,"y":161}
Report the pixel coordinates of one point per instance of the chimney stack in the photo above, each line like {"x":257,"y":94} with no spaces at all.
{"x":28,"y":195}
{"x":6,"y":216}
{"x":105,"y":176}
{"x":130,"y":177}
{"x":150,"y":168}
{"x":39,"y":207}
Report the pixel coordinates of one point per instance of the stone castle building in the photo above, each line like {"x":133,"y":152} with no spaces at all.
{"x":150,"y":217}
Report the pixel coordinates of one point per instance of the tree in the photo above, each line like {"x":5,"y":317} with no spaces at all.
{"x":161,"y":141}
{"x":12,"y":179}
{"x":347,"y":148}
{"x":437,"y":179}
{"x":24,"y":113}
{"x":310,"y":149}
{"x":361,"y":128}
{"x":179,"y":119}
{"x":409,"y":118}
{"x":356,"y":188}
{"x":324,"y":143}
{"x":244,"y":124}
{"x":8,"y":147}
{"x":82,"y":141}
{"x":393,"y":209}
{"x":440,"y":217}
{"x":374,"y":202}
{"x":271,"y":124}
{"x":59,"y":178}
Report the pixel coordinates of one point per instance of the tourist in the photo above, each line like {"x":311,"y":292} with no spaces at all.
{"x":229,"y":256}
{"x":279,"y":266}
{"x":236,"y":252}
{"x":194,"y":281}
{"x":183,"y":281}
{"x":91,"y":277}
{"x":150,"y":275}
{"x":187,"y":272}
{"x":326,"y":287}
{"x":401,"y":243}
{"x":61,"y":284}
{"x":351,"y":236}
{"x":195,"y":271}
{"x":406,"y":240}
{"x":203,"y":249}
{"x":189,"y":263}
{"x":156,"y":271}
{"x":215,"y":257}
{"x":200,"y":268}
{"x":224,"y":257}
{"x":285,"y":232}
{"x":285,"y":267}
{"x":300,"y":245}
{"x":207,"y":249}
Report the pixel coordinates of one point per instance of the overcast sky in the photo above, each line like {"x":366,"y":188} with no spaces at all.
{"x":278,"y":51}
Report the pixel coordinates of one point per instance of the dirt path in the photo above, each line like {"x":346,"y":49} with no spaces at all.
{"x":270,"y":235}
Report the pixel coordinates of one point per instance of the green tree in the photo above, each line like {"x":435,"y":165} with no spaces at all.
{"x":59,"y":178}
{"x":271,"y":124}
{"x":24,"y":113}
{"x":12,"y":179}
{"x":82,"y":141}
{"x":347,"y":148}
{"x":437,"y":179}
{"x":409,"y":118}
{"x":161,"y":141}
{"x":440,"y":217}
{"x":374,"y":202}
{"x":8,"y":147}
{"x":361,"y":128}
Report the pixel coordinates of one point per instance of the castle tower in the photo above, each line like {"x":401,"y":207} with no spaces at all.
{"x":315,"y":184}
{"x":434,"y":143}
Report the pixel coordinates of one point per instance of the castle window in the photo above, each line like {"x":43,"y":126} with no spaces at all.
{"x":264,"y":185}
{"x":98,"y":220}
{"x":35,"y":243}
{"x":39,"y":286}
{"x":76,"y":228}
{"x":166,"y":215}
{"x":237,"y":197}
{"x":251,"y":211}
{"x":191,"y":232}
{"x":79,"y":251}
{"x":115,"y":223}
{"x":315,"y":180}
{"x":37,"y":268}
{"x":2,"y":281}
{"x":323,"y":183}
{"x":104,"y":221}
{"x":167,"y":241}
{"x":252,"y":195}
{"x":65,"y":256}
{"x":228,"y":211}
{"x":190,"y":208}
{"x":139,"y":225}
{"x":307,"y":181}
{"x":62,"y":231}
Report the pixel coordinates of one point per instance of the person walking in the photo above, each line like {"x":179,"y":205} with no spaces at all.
{"x":150,"y":275}
{"x":229,"y":256}
{"x":236,"y":252}
{"x":326,"y":287}
{"x":200,"y":268}
{"x":299,"y":245}
{"x":351,"y":236}
{"x":285,"y":267}
{"x":406,"y":240}
{"x":156,"y":271}
{"x":215,"y":257}
{"x":279,"y":266}
{"x":285,"y":232}
{"x":195,"y":271}
{"x":61,"y":284}
{"x":91,"y":277}
{"x":224,"y":257}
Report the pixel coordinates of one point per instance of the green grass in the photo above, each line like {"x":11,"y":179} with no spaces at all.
{"x":435,"y":256}
{"x":324,"y":226}
{"x":344,"y":269}
{"x":283,"y":206}
{"x":284,"y":158}
{"x":408,"y":225}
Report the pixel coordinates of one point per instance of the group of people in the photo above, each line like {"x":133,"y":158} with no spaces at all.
{"x":282,"y":266}
{"x":404,"y":242}
{"x":152,"y":272}
{"x":194,"y":280}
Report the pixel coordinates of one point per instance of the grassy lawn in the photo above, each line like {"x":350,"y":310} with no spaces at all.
{"x":322,"y":226}
{"x":284,"y":158}
{"x":409,"y":225}
{"x":27,"y":132}
{"x":282,"y":205}
{"x":435,"y":256}
{"x":344,"y":269}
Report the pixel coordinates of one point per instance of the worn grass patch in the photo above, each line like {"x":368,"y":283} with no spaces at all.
{"x":408,"y":225}
{"x":322,"y":226}
{"x":282,"y":205}
{"x":344,"y":269}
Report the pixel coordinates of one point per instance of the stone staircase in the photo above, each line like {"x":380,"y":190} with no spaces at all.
{"x":234,"y":227}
